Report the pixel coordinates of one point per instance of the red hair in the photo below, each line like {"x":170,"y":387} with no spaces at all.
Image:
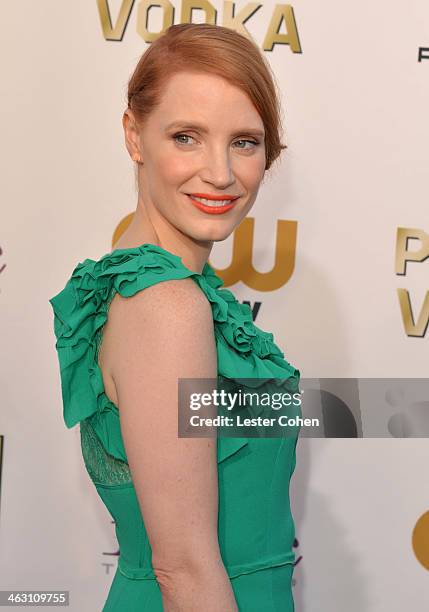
{"x":213,"y":49}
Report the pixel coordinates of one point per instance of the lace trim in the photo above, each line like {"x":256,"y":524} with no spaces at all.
{"x":102,"y":467}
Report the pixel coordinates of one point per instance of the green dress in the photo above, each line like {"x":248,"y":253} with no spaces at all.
{"x":255,"y":526}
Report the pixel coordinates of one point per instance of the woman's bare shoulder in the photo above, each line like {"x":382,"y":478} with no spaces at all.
{"x":169,"y":320}
{"x":170,"y":297}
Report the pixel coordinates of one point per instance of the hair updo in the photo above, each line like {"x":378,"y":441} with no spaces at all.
{"x":212,"y":49}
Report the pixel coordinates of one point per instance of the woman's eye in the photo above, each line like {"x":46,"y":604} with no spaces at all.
{"x":252,"y":142}
{"x":182,"y":136}
{"x":184,"y":140}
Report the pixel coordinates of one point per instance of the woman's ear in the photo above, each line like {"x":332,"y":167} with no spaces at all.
{"x":131,"y":134}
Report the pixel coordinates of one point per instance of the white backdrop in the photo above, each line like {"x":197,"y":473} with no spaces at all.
{"x":355,"y":103}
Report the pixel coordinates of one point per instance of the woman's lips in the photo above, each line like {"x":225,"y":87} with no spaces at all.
{"x":212,"y":210}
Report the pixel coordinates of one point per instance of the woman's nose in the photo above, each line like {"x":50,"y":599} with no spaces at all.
{"x":217,"y":168}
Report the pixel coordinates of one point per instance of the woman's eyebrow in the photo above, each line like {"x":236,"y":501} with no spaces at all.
{"x":185,"y":125}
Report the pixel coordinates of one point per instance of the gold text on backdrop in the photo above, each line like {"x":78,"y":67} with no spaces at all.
{"x":403,"y":256}
{"x":282,"y":17}
{"x":241,"y":267}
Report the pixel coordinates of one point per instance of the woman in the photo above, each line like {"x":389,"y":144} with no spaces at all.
{"x":202,"y":524}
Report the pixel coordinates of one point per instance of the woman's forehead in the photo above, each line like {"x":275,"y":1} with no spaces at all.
{"x":199,"y":98}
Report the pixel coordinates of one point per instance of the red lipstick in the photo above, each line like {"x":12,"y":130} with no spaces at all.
{"x":209,"y":196}
{"x":212,"y":209}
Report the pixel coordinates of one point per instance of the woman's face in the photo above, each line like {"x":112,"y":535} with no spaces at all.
{"x":205,"y":138}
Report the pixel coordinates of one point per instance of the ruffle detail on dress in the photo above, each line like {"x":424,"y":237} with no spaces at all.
{"x":80,"y":311}
{"x":255,"y":353}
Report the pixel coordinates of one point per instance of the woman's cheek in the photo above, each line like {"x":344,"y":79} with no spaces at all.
{"x":178,"y":168}
{"x":255,"y":171}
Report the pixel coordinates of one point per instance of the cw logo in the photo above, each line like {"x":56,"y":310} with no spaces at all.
{"x":281,"y":13}
{"x":241,"y":267}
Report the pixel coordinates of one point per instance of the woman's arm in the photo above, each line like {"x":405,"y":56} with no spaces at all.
{"x":159,"y":335}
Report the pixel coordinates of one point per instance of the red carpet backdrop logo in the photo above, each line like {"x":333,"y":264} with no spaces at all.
{"x":241,"y":267}
{"x":282,"y":18}
{"x":415,"y":325}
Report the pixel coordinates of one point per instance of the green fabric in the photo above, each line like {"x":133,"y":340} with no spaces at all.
{"x":102,"y":467}
{"x":255,"y":527}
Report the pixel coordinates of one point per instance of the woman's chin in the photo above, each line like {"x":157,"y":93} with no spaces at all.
{"x":214,"y":234}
